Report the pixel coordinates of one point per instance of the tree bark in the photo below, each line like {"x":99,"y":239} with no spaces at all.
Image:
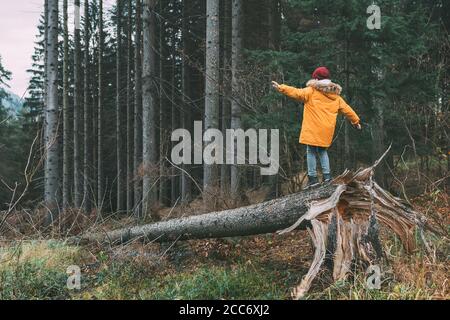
{"x":130,"y":115}
{"x":121,"y":155}
{"x":347,"y":155}
{"x":67,"y":174}
{"x":210,"y":171}
{"x":225,"y":169}
{"x":52,"y":142}
{"x":93,"y":76}
{"x":149,"y":107}
{"x":274,"y":17}
{"x":236,"y":58}
{"x":186,"y":183}
{"x":138,"y":112}
{"x":77,"y":105}
{"x":46,"y":14}
{"x":267,"y":217}
{"x":378,"y":139}
{"x":44,"y":100}
{"x":100,"y":170}
{"x":175,"y":120}
{"x":87,"y":187}
{"x":164,"y":112}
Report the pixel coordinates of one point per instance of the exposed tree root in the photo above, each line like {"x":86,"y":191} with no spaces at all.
{"x":345,"y":227}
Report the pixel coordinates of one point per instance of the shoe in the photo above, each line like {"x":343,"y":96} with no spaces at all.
{"x":327,"y":178}
{"x":312,"y":182}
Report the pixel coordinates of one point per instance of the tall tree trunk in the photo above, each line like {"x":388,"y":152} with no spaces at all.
{"x":67,"y":181}
{"x":121,"y":156}
{"x":138,"y":111}
{"x":225,"y":172}
{"x":45,"y":94}
{"x":274,"y":24}
{"x":93,"y":78}
{"x":77,"y":105}
{"x":87,"y":197}
{"x":45,"y":49}
{"x":274,"y":30}
{"x":100,"y":169}
{"x":130,"y":116}
{"x":378,"y":128}
{"x":236,"y":60}
{"x":210,"y":171}
{"x":175,"y":118}
{"x":378,"y":143}
{"x":186,"y":183}
{"x":347,"y":156}
{"x":164,"y":113}
{"x":52,"y":142}
{"x":149,"y":107}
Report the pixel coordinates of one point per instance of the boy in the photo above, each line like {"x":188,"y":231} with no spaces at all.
{"x":322,"y":105}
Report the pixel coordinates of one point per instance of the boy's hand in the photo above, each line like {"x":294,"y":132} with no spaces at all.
{"x":275,"y":85}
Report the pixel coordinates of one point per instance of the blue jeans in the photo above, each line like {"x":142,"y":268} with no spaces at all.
{"x":311,"y":153}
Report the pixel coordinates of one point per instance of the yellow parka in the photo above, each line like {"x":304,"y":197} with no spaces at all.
{"x":323,"y":103}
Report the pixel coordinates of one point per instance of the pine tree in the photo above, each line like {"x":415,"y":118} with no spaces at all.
{"x":130,"y":115}
{"x":164,"y":114}
{"x":236,"y":58}
{"x":88,"y":155}
{"x":149,"y":106}
{"x":210,"y":175}
{"x":34,"y":100}
{"x":187,"y":75}
{"x":67,"y":174}
{"x":12,"y":142}
{"x":138,"y":111}
{"x":120,"y":150}
{"x":100,"y":113}
{"x":78,"y":111}
{"x":225,"y":172}
{"x":52,"y":142}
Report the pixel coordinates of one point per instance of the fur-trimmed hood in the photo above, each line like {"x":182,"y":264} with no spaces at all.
{"x":326,"y":86}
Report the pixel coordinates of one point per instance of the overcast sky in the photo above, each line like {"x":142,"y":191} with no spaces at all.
{"x":18,"y":29}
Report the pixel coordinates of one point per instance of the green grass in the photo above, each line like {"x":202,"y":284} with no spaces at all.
{"x":35,"y":270}
{"x":29,"y":281}
{"x":38,"y":271}
{"x":237,"y":283}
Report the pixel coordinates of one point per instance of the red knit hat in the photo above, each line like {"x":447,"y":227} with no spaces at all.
{"x":321,"y":73}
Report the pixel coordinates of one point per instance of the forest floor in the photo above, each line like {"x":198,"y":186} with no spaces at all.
{"x":261,"y":267}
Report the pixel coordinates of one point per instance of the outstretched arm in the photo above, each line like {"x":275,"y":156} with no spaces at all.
{"x":351,"y":115}
{"x":291,"y":92}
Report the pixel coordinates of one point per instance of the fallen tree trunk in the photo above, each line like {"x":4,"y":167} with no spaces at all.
{"x":343,"y":219}
{"x":350,"y":193}
{"x":267,"y":217}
